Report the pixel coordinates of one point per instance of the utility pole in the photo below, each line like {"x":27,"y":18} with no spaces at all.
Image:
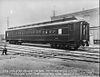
{"x":8,"y":18}
{"x":83,"y":9}
{"x":7,"y":22}
{"x":83,"y":13}
{"x":54,"y":13}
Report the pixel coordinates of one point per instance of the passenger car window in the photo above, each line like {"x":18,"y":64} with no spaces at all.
{"x":59,"y":31}
{"x":71,"y":27}
{"x":65,"y":31}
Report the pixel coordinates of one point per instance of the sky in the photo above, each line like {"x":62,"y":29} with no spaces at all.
{"x":20,"y":12}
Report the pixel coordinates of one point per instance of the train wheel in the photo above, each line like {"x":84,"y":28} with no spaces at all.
{"x":61,"y":46}
{"x":19,"y":43}
{"x":68,"y":47}
{"x":75,"y":47}
{"x":52,"y":45}
{"x":11,"y":42}
{"x":57,"y":46}
{"x":72,"y":47}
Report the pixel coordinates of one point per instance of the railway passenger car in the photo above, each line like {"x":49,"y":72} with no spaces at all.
{"x":69,"y":34}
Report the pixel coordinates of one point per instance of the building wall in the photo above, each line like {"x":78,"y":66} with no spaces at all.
{"x":91,"y":16}
{"x":1,"y":37}
{"x":95,"y":33}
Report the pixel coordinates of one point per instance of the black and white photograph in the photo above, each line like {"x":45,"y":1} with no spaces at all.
{"x":49,"y":38}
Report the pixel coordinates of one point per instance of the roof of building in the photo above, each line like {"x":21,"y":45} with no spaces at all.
{"x":75,"y":13}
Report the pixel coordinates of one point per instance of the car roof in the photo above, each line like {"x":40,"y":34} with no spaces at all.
{"x":42,"y":25}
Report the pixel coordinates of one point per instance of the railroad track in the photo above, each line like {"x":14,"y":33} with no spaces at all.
{"x":53,"y":53}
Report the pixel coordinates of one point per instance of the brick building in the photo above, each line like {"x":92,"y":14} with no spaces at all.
{"x":92,"y":17}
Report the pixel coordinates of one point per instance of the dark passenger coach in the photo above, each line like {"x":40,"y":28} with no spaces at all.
{"x":69,"y":34}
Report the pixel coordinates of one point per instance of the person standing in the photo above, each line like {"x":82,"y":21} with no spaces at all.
{"x":4,"y":50}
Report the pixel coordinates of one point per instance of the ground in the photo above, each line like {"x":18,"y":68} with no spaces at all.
{"x":28,"y":66}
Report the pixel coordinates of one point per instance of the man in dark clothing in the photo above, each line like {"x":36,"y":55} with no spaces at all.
{"x":4,"y":51}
